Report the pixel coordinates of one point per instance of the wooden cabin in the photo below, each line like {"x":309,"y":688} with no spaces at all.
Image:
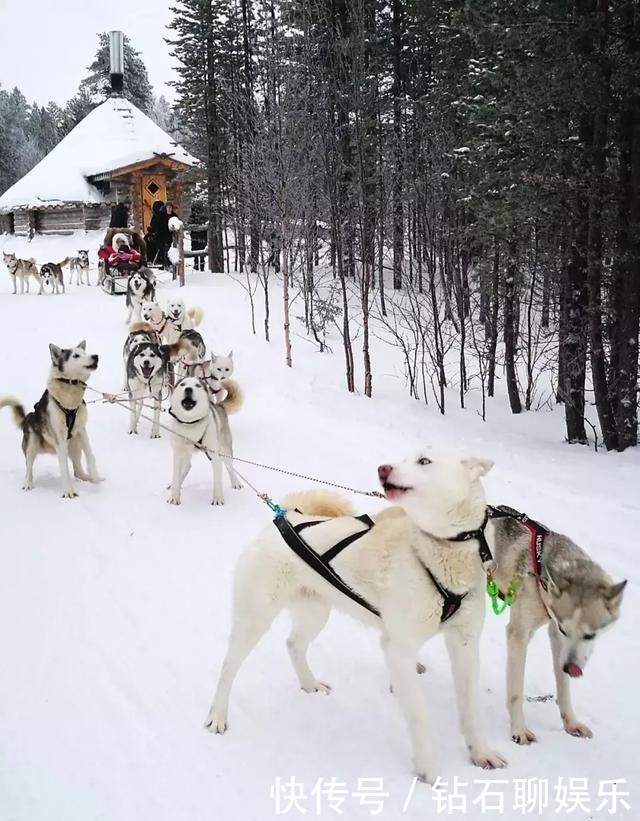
{"x":115,"y":153}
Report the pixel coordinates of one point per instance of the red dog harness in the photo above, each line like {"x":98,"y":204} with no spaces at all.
{"x":538,"y":534}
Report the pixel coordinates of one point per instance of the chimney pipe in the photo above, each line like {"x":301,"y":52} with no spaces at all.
{"x":116,"y":60}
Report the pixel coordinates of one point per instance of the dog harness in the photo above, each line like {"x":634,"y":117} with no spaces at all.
{"x":538,"y":534}
{"x":69,"y":413}
{"x":198,"y":444}
{"x":320,"y":562}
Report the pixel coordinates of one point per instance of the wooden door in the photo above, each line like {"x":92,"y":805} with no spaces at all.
{"x":154,"y":188}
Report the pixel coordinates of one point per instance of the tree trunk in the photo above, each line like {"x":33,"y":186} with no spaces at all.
{"x":397,"y":91}
{"x":594,"y":257}
{"x":627,"y":263}
{"x":493,"y":322}
{"x":510,"y":335}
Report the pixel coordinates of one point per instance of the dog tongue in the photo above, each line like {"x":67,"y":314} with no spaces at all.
{"x":573,"y":670}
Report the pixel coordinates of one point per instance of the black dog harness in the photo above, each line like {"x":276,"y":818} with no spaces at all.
{"x":320,"y":562}
{"x":69,"y":413}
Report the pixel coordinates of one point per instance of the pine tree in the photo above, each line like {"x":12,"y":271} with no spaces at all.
{"x":136,"y":85}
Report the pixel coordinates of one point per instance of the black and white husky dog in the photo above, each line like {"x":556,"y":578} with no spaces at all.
{"x":141,"y":287}
{"x":147,"y":375}
{"x":58,"y":422}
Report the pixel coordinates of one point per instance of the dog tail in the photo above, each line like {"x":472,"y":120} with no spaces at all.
{"x":234,"y":398}
{"x":196,"y":315}
{"x":319,"y":503}
{"x":137,"y":327}
{"x":16,"y":408}
{"x":65,"y":261}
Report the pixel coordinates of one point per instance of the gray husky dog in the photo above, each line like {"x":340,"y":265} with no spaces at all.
{"x":559,"y":586}
{"x":58,"y":422}
{"x":79,"y":265}
{"x":22,"y":269}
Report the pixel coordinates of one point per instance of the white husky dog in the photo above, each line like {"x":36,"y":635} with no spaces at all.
{"x":222,"y":366}
{"x":201,"y":420}
{"x":181,"y":317}
{"x":406,"y":568}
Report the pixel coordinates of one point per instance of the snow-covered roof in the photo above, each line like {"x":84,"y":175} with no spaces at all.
{"x":114,"y":135}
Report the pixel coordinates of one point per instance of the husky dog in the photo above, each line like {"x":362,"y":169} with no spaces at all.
{"x":181,"y":318}
{"x":141,"y":288}
{"x":139,"y":332}
{"x":147,"y":369}
{"x":152,"y":314}
{"x":51,"y":273}
{"x":406,"y":570}
{"x":222,"y":366}
{"x":198,"y":422}
{"x":196,"y":356}
{"x":214,"y":375}
{"x":22,"y":269}
{"x":575,"y":597}
{"x":79,"y":265}
{"x":57,"y":424}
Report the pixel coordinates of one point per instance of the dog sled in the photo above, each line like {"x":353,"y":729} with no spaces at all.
{"x":114,"y":279}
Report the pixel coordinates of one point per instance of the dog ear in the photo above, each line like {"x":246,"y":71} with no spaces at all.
{"x":56,"y":354}
{"x":477,"y":467}
{"x":613,"y":595}
{"x":230,"y":355}
{"x":82,"y":345}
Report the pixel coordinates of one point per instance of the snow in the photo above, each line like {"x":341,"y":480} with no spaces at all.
{"x":115,"y":134}
{"x":114,"y":607}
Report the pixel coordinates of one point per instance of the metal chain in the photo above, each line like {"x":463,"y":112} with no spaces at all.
{"x":113,"y":399}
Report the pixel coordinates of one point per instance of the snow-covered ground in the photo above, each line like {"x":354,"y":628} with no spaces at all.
{"x":114,"y":607}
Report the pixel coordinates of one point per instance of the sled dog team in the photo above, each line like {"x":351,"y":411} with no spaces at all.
{"x":413,"y":570}
{"x":49,"y":274}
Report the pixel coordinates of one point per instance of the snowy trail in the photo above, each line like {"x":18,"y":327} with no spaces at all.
{"x":114,"y":608}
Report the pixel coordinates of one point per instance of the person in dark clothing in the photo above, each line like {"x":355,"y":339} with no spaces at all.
{"x":158,"y":234}
{"x":198,"y":219}
{"x":120,"y":215}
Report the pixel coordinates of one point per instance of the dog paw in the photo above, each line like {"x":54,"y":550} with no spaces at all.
{"x":237,"y":486}
{"x":132,"y":432}
{"x":317,"y":687}
{"x":420,"y":668}
{"x":155,"y":436}
{"x":488,"y":759}
{"x":69,"y":494}
{"x":216,"y":724}
{"x":27,"y":487}
{"x":523,"y":736}
{"x":577,"y":729}
{"x":217,"y":501}
{"x":426,"y":772}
